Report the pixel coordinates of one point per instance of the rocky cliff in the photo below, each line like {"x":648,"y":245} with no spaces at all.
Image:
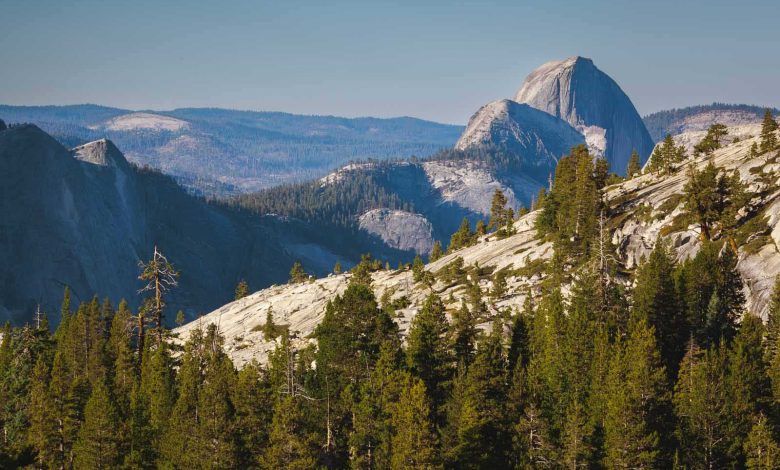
{"x":576,"y":91}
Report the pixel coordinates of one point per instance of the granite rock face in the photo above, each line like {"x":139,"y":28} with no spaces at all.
{"x":399,"y":229}
{"x":577,"y":92}
{"x":537,"y":137}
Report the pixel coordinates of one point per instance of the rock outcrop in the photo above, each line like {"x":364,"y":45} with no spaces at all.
{"x":399,"y":229}
{"x":588,"y":99}
{"x":535,"y":136}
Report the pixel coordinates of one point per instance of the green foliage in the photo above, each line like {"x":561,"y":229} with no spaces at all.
{"x":463,"y":237}
{"x":501,"y":217}
{"x":768,"y":128}
{"x":242,"y":290}
{"x":711,"y":140}
{"x":571,"y":210}
{"x":666,"y":156}
{"x":712,"y":197}
{"x":297,"y":274}
{"x":436,"y":252}
{"x":634,"y":166}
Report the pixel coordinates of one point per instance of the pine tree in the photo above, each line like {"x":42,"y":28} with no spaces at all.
{"x":427,"y":354}
{"x":253,"y":399}
{"x":217,"y":438}
{"x":634,"y":166}
{"x":773,"y":323}
{"x":242,"y":290}
{"x":437,"y":252}
{"x":98,"y":445}
{"x":747,"y":381}
{"x":463,"y":335}
{"x":701,"y":405}
{"x":337,"y":268}
{"x":638,"y":402}
{"x":418,"y":269}
{"x":656,"y":301}
{"x":42,"y":433}
{"x":291,"y":445}
{"x":414,"y":443}
{"x":462,"y":238}
{"x":297,"y":274}
{"x":160,"y":277}
{"x":761,"y":449}
{"x":768,"y":128}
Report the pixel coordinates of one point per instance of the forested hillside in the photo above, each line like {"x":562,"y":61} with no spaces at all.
{"x":557,"y":340}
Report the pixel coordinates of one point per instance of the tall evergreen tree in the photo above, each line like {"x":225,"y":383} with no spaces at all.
{"x":768,"y":128}
{"x":656,"y":301}
{"x":427,"y":352}
{"x":634,"y":166}
{"x":414,"y":442}
{"x":761,"y":447}
{"x":98,"y":445}
{"x":638,"y":402}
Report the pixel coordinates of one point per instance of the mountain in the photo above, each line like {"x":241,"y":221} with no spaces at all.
{"x":535,"y":136}
{"x":640,"y":212}
{"x":699,"y":118}
{"x":576,"y":91}
{"x":85,"y":217}
{"x":216,"y":151}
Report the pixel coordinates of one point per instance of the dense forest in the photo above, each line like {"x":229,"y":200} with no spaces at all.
{"x":661,"y":367}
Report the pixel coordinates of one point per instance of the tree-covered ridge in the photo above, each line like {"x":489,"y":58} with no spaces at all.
{"x":663,"y":122}
{"x":339,"y":202}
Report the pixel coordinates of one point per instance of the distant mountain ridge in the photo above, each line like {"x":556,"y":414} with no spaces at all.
{"x":217,"y":151}
{"x":697,"y":118}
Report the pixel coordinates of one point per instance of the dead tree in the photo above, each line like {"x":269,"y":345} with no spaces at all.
{"x":160,"y":278}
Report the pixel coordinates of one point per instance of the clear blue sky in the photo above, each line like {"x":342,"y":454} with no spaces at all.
{"x":430,"y":59}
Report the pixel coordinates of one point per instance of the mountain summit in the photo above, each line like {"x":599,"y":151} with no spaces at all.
{"x":576,"y":91}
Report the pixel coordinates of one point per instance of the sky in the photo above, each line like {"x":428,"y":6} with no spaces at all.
{"x":437,"y":60}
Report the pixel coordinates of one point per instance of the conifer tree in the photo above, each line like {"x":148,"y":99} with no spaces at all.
{"x":463,"y":335}
{"x":768,"y":128}
{"x":98,"y":445}
{"x":773,"y":323}
{"x":462,"y":238}
{"x":217,"y":440}
{"x":638,"y":402}
{"x":427,"y":354}
{"x":253,"y":399}
{"x":160,"y":277}
{"x":747,"y":381}
{"x":414,"y":443}
{"x":242,"y":290}
{"x":761,"y":448}
{"x":656,"y":301}
{"x":701,"y":406}
{"x":291,"y":444}
{"x":41,"y":434}
{"x":634,"y":166}
{"x":297,"y":274}
{"x":437,"y":251}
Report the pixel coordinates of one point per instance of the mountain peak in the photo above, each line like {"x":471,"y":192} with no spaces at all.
{"x":101,"y":152}
{"x":576,"y":91}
